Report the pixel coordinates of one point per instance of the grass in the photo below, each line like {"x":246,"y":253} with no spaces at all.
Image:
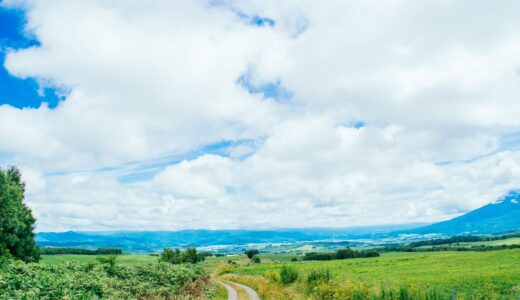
{"x":495,"y":271}
{"x":125,"y":259}
{"x":510,"y":241}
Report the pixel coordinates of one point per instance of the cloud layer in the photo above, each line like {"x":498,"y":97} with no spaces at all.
{"x":353,"y":113}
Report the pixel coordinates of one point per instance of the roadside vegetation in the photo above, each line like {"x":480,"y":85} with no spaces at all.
{"x":86,"y":274}
{"x":429,"y":275}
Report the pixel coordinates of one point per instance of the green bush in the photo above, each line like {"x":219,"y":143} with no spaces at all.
{"x":318,"y":276}
{"x":256,"y":259}
{"x":76,"y":280}
{"x":288,"y":275}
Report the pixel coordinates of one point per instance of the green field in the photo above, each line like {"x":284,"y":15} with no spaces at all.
{"x":449,"y":272}
{"x":490,"y":274}
{"x":125,"y":259}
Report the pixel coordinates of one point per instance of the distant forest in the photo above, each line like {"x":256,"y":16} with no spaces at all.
{"x":100,"y":251}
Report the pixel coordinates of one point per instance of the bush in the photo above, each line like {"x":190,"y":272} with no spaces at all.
{"x":294,"y":259}
{"x":288,"y":275}
{"x":90,"y":281}
{"x":256,"y":259}
{"x":318,"y":276}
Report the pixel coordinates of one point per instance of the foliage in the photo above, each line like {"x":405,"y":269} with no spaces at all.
{"x":288,"y":275}
{"x":74,"y":280}
{"x":109,"y":264}
{"x":80,"y":251}
{"x":124,"y":259}
{"x":470,"y":275}
{"x":16,"y":220}
{"x":319,"y":276}
{"x":251,"y":252}
{"x":256,"y":259}
{"x":178,"y":257}
{"x":346,"y":253}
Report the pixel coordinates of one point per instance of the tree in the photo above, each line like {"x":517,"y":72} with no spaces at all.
{"x":16,"y":219}
{"x":190,"y":256}
{"x":256,"y":259}
{"x":251,"y":252}
{"x":178,"y":257}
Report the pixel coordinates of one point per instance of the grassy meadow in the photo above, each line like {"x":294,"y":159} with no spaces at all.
{"x":125,"y":259}
{"x":441,"y":275}
{"x":394,"y":275}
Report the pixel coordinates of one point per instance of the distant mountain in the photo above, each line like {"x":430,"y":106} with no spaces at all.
{"x":497,"y":217}
{"x":152,"y":241}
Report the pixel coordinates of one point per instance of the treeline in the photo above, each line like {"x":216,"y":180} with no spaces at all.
{"x":464,"y":239}
{"x":80,"y":251}
{"x":177,"y":256}
{"x":450,"y":248}
{"x":346,"y":253}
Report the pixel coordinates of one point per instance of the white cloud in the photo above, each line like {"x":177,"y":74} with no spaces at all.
{"x":435,"y":85}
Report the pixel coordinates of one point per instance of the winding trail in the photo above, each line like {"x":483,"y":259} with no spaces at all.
{"x":233,"y":293}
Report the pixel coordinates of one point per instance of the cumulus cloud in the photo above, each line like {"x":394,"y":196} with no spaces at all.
{"x":399,"y":111}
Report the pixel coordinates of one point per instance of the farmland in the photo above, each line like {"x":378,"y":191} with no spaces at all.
{"x":492,"y":274}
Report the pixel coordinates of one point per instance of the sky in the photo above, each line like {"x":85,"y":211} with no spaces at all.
{"x":224,"y":114}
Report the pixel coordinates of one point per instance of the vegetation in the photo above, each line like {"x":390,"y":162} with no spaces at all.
{"x":79,"y":251}
{"x":124,"y":259}
{"x":251,"y":252}
{"x":288,"y":275}
{"x":429,"y":275}
{"x":74,"y":280}
{"x":180,"y":257}
{"x":346,"y":253}
{"x":16,"y":220}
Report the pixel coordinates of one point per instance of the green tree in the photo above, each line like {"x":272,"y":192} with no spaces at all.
{"x":251,"y":252}
{"x":178,"y":257}
{"x":16,"y":220}
{"x":190,"y":256}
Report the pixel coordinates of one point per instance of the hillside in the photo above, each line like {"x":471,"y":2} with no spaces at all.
{"x":234,"y":240}
{"x":497,"y":217}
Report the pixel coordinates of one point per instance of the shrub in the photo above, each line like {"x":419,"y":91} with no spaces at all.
{"x":318,"y":276}
{"x":90,"y":281}
{"x":294,"y":259}
{"x":256,"y":259}
{"x":109,"y":264}
{"x":288,"y":275}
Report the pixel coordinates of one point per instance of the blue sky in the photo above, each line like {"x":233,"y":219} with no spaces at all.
{"x":15,"y":91}
{"x":174,"y":114}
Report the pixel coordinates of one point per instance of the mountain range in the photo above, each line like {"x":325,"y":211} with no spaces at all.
{"x":500,"y":216}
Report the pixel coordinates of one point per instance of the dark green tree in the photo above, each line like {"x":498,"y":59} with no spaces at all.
{"x":251,"y":252}
{"x":16,"y":219}
{"x":190,"y":256}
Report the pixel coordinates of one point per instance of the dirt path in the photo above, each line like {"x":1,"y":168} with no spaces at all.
{"x":233,"y":293}
{"x":250,"y":292}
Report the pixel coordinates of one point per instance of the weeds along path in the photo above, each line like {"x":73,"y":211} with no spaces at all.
{"x":237,"y":291}
{"x":232,"y":293}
